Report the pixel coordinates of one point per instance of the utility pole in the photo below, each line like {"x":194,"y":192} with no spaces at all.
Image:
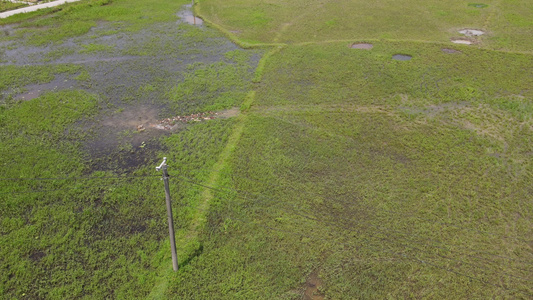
{"x":163,"y":166}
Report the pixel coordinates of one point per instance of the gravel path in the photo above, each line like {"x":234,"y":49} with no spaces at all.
{"x":34,"y":8}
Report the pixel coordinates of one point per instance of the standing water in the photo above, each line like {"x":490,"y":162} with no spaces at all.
{"x":187,"y":16}
{"x":401,"y":57}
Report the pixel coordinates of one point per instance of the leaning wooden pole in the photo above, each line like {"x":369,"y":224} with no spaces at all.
{"x":163,"y":167}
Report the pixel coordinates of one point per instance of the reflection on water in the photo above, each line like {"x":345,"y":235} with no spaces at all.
{"x":186,"y":15}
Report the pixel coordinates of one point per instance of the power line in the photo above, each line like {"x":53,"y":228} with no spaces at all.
{"x":196,"y":183}
{"x":221,"y":189}
{"x":413,"y":215}
{"x":71,"y":188}
{"x":385,"y":232}
{"x":76,"y":178}
{"x":237,"y":193}
{"x":38,"y":191}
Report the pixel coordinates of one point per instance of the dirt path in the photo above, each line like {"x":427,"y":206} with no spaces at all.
{"x":34,"y":8}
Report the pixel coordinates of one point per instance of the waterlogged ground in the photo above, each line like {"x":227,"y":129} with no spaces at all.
{"x":93,"y":105}
{"x":136,"y":75}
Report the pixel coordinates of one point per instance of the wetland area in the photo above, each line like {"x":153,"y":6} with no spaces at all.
{"x":315,"y":150}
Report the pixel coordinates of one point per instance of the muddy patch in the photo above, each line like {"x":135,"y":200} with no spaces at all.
{"x":128,"y":118}
{"x":37,"y":256}
{"x":450,"y":51}
{"x":117,"y":144}
{"x":129,"y":137}
{"x":478,"y":5}
{"x":402,"y":57}
{"x":362,"y":46}
{"x":471,"y":32}
{"x":187,"y":16}
{"x":462,"y":41}
{"x":138,"y":228}
{"x":177,"y":122}
{"x":35,"y":90}
{"x":312,"y":285}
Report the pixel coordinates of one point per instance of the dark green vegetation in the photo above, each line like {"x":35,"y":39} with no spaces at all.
{"x":368,"y":177}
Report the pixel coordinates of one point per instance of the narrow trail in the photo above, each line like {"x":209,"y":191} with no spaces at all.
{"x":491,"y":14}
{"x":285,"y":26}
{"x":191,"y":236}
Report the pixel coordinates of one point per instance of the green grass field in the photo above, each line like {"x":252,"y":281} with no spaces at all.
{"x":347,"y":174}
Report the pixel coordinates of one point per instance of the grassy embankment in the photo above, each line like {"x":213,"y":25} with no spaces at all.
{"x":101,"y":235}
{"x":8,"y":5}
{"x":508,"y":23}
{"x":384,"y":179}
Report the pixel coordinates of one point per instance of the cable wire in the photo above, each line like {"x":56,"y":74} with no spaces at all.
{"x":77,"y":178}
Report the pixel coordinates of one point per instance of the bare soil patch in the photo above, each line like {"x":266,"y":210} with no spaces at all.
{"x":363,"y":46}
{"x":471,"y":32}
{"x":177,"y":122}
{"x":311,"y":288}
{"x":462,"y":41}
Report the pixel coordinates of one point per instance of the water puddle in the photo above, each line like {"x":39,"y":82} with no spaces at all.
{"x":364,"y":46}
{"x":35,"y":90}
{"x":187,"y":16}
{"x":477,"y":5}
{"x":91,"y":60}
{"x":462,"y":42}
{"x":402,"y":57}
{"x":450,"y":51}
{"x":471,"y":32}
{"x":7,"y":30}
